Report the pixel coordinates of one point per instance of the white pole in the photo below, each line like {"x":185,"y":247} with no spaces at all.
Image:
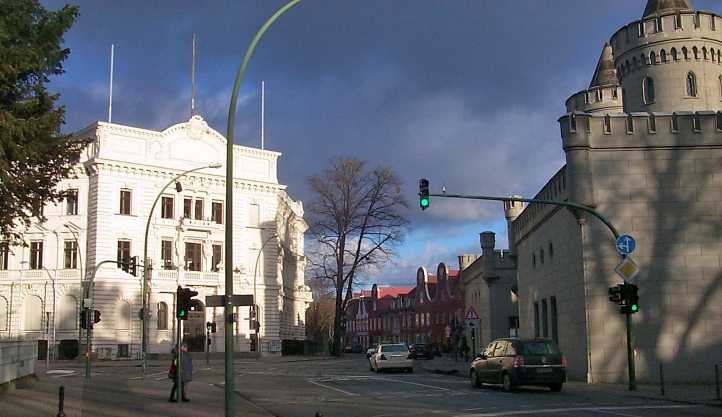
{"x":193,"y":78}
{"x":263,"y":114}
{"x":110,"y":98}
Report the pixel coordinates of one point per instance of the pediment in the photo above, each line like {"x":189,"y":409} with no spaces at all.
{"x":193,"y":142}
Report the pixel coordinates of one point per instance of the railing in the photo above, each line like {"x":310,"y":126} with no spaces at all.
{"x":188,"y":276}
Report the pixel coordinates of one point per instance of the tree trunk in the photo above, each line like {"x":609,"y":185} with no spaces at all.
{"x":337,"y":332}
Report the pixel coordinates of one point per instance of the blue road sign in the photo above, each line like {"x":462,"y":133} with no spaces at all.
{"x":626,"y":244}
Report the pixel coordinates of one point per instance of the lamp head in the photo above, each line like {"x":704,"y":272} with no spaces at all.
{"x":178,"y":187}
{"x":215,"y":165}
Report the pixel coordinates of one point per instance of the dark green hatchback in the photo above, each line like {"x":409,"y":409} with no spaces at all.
{"x":513,"y":362}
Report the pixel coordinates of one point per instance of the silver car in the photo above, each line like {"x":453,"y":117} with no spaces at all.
{"x":391,"y":356}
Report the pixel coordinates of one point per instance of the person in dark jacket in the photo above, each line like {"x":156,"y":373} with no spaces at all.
{"x":186,"y":373}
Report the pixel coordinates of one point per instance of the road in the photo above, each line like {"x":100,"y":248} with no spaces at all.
{"x":301,"y":388}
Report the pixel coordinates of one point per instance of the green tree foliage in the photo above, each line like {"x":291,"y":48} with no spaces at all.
{"x":34,"y":155}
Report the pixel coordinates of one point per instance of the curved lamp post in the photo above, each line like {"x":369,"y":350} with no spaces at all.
{"x":228,"y":303}
{"x":146,"y":269}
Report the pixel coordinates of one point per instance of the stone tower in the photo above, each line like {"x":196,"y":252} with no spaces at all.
{"x":512,"y":210}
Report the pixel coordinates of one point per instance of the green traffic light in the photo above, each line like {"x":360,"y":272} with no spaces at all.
{"x":182,"y":313}
{"x":424,"y":202}
{"x":635,"y":308}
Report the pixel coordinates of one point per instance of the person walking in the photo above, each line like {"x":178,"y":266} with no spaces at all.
{"x":186,"y":373}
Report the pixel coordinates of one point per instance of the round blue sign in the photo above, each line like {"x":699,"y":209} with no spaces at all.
{"x":626,"y":244}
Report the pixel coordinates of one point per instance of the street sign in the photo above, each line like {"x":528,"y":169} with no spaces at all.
{"x":626,"y":245}
{"x":473,"y":323}
{"x":471,"y":314}
{"x":238,"y":300}
{"x":627,"y":269}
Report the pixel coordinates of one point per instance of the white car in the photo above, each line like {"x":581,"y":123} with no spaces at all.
{"x":371,"y":350}
{"x":391,"y":356}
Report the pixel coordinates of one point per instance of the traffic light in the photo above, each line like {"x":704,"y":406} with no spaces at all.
{"x":615,"y":294}
{"x":630,"y":299}
{"x":84,"y":318}
{"x":96,"y":316}
{"x":211,"y":327}
{"x":184,"y":302}
{"x":424,"y":193}
{"x":133,"y":266}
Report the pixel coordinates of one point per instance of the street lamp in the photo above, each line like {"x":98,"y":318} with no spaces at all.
{"x":146,"y":263}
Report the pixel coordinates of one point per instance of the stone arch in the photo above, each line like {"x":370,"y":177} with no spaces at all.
{"x":695,"y":52}
{"x":685,"y":52}
{"x":673,"y":52}
{"x":653,"y":58}
{"x":32,"y":313}
{"x":704,"y":53}
{"x":663,"y":56}
{"x":67,"y":311}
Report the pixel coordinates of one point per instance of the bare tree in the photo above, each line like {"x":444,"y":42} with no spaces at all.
{"x":356,"y":219}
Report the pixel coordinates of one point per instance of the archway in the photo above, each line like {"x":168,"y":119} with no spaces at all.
{"x":194,"y":329}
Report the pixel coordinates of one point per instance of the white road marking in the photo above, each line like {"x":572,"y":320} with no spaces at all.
{"x":414,"y":383}
{"x":566,"y":410}
{"x":616,"y":413}
{"x":63,"y":375}
{"x":149,"y":375}
{"x":333,"y":388}
{"x":59,"y":371}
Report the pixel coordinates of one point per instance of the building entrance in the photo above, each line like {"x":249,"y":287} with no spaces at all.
{"x":194,"y":329}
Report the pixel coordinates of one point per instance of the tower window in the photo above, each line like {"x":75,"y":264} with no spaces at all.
{"x":675,"y":122}
{"x":720,"y":87}
{"x":648,"y":90}
{"x":704,"y":53}
{"x":685,"y":52}
{"x":696,"y":122}
{"x":615,"y":94}
{"x":630,"y":124}
{"x":695,"y":52}
{"x":653,"y":58}
{"x":678,"y":21}
{"x":652,"y":124}
{"x":691,"y":85}
{"x":719,"y":120}
{"x":712,"y":23}
{"x":663,"y":56}
{"x":607,"y":124}
{"x":675,"y":57}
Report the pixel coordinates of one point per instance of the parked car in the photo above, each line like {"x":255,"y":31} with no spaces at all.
{"x":391,"y":356}
{"x":371,"y":350}
{"x":421,"y":350}
{"x":513,"y":362}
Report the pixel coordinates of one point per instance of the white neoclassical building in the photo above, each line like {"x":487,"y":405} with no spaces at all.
{"x":121,"y":173}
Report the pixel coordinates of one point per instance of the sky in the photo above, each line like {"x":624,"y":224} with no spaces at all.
{"x":466,"y":93}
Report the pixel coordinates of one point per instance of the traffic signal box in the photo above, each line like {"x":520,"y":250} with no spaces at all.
{"x":184,"y":302}
{"x":87,"y":314}
{"x":130,"y":265}
{"x":626,"y":296}
{"x":424,"y":194}
{"x":211,"y":327}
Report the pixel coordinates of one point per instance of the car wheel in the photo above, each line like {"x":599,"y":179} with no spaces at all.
{"x":556,"y":387}
{"x":506,"y":383}
{"x":475,"y":382}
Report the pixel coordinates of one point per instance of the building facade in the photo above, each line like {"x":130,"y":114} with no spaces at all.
{"x":643,"y":146}
{"x":120,"y":175}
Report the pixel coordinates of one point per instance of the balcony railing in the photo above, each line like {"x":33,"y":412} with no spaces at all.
{"x":186,"y":276}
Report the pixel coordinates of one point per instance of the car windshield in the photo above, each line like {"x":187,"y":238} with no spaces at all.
{"x":539,"y":348}
{"x":394,"y":348}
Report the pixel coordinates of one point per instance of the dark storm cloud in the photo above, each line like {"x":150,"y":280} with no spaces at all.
{"x":464,"y":92}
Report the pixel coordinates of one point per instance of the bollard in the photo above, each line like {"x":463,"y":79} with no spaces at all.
{"x":661,"y":379}
{"x":61,"y":399}
{"x":716,"y":379}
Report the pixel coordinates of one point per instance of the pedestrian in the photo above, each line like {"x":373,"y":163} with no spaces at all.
{"x":186,"y":373}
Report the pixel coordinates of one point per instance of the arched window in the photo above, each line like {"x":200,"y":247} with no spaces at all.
{"x":663,"y":56}
{"x":685,"y":52}
{"x":648,"y":90}
{"x":704,"y":53}
{"x":33,"y":313}
{"x":3,"y":314}
{"x":573,"y":122}
{"x":652,"y":58}
{"x":691,"y":84}
{"x":675,"y":57}
{"x":644,"y":60}
{"x":162,"y":316}
{"x":123,"y":317}
{"x":635,"y":64}
{"x":695,"y":52}
{"x":67,"y":313}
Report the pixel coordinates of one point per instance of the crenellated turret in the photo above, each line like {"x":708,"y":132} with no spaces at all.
{"x":604,"y":92}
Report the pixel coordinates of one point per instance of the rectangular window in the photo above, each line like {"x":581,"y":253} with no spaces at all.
{"x":217,"y":212}
{"x":630,"y":124}
{"x":187,"y":207}
{"x":199,"y":209}
{"x":71,"y":203}
{"x":253,"y":215}
{"x":71,"y":254}
{"x":123,"y":351}
{"x":193,"y":256}
{"x":123,"y":251}
{"x":555,"y":324}
{"x":38,"y":209}
{"x":678,"y":21}
{"x":4,"y":255}
{"x":166,"y":253}
{"x":36,"y":255}
{"x":125,"y":201}
{"x":166,"y":207}
{"x":217,"y":257}
{"x":536,"y":319}
{"x":652,"y":124}
{"x":545,"y":318}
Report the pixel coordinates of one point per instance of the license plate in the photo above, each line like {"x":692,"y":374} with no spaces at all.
{"x":544,"y":370}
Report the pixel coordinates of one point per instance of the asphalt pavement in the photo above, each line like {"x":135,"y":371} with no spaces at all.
{"x":299,"y":387}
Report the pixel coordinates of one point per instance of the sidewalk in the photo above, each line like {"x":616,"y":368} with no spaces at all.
{"x":684,"y":393}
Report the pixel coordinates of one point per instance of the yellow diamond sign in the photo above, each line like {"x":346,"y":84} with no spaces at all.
{"x":627,"y":269}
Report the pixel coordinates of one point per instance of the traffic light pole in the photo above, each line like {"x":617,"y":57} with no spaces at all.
{"x":228,"y":264}
{"x":586,"y":209}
